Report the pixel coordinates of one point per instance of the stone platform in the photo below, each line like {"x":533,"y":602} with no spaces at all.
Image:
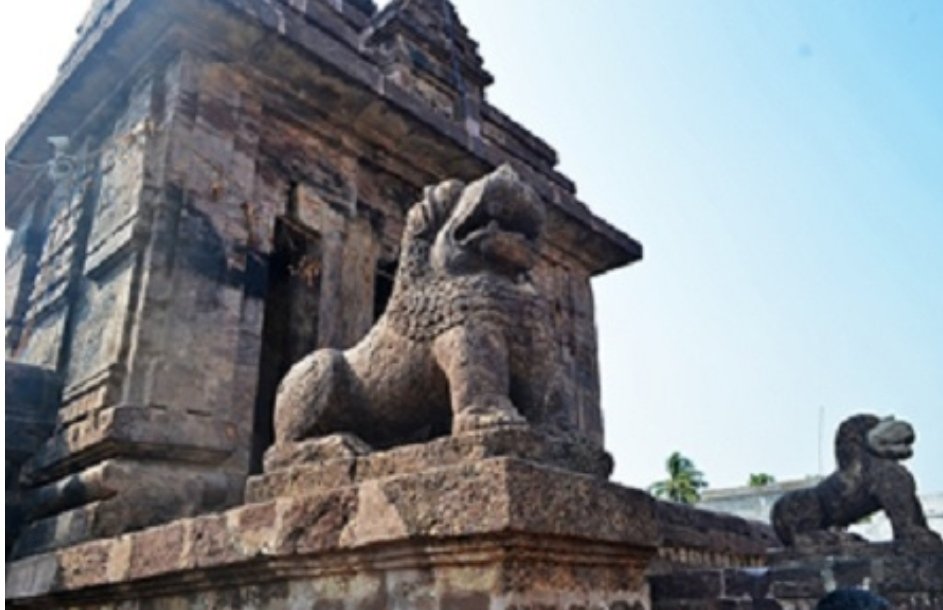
{"x":909,"y":576}
{"x":910,"y":579}
{"x":471,"y":533}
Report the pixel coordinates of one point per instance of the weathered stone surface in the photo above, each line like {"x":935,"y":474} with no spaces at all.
{"x":114,"y":495}
{"x":706,"y":585}
{"x":685,"y":588}
{"x":751,"y":583}
{"x":334,"y":447}
{"x":802,"y":582}
{"x":710,"y":560}
{"x":335,"y":461}
{"x":869,"y":478}
{"x":909,"y":578}
{"x":700,"y":549}
{"x":497,"y":532}
{"x":131,"y":431}
{"x":794,"y":580}
{"x":695,"y":539}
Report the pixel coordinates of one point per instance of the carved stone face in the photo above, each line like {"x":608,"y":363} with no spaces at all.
{"x":495,"y":226}
{"x":892,"y":439}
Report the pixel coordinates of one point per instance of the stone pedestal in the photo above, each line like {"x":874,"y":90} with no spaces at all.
{"x":339,"y":460}
{"x":443,"y":525}
{"x":910,"y":578}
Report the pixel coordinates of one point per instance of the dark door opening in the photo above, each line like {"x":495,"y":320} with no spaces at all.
{"x":383,"y":286}
{"x":290,"y":325}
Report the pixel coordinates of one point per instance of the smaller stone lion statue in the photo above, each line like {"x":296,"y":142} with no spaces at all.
{"x":869,"y":478}
{"x":465,"y":343}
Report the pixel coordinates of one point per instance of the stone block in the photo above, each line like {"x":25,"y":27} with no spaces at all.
{"x":797,"y":582}
{"x":855,"y":573}
{"x":210,"y":542}
{"x":909,"y":573}
{"x":157,"y":551}
{"x":907,"y":577}
{"x":700,"y":585}
{"x":694,"y":538}
{"x":915,"y":601}
{"x":132,"y":431}
{"x":751,"y":583}
{"x":116,"y":496}
{"x":315,"y":522}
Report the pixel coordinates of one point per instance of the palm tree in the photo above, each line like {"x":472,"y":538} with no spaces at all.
{"x":760,"y":479}
{"x":684,"y":481}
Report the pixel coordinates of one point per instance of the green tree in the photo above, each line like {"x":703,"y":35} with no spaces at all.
{"x":684,"y":482}
{"x":761,"y":479}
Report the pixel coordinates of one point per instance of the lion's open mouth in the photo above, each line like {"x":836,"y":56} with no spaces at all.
{"x":893,"y":439}
{"x":496,"y":225}
{"x":483,"y":223}
{"x":505,"y":233}
{"x":511,"y":251}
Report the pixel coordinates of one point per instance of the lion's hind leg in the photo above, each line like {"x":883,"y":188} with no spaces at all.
{"x":313,"y":397}
{"x":796,"y":515}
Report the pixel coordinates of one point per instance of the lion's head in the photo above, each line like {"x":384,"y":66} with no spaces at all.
{"x":861,"y":437}
{"x":496,"y":225}
{"x":493,"y":224}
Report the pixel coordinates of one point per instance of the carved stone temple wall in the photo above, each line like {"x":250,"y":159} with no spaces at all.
{"x":231,"y":196}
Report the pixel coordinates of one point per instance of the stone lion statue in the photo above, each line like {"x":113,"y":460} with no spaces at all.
{"x":869,"y":478}
{"x":465,"y":342}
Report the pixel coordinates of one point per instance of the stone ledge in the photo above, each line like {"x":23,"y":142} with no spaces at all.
{"x":893,"y":570}
{"x":851,"y":551}
{"x":339,"y":460}
{"x":694,"y":538}
{"x":130,"y":431}
{"x":120,"y":495}
{"x":500,"y":507}
{"x":908,"y":580}
{"x":454,"y":574}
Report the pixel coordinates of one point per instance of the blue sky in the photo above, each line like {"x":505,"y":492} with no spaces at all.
{"x":782,"y":162}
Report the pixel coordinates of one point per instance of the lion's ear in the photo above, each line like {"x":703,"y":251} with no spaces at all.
{"x":426,"y":216}
{"x":429,"y":214}
{"x":444,"y":197}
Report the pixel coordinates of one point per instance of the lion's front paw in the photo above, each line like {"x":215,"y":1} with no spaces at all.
{"x":487,"y":412}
